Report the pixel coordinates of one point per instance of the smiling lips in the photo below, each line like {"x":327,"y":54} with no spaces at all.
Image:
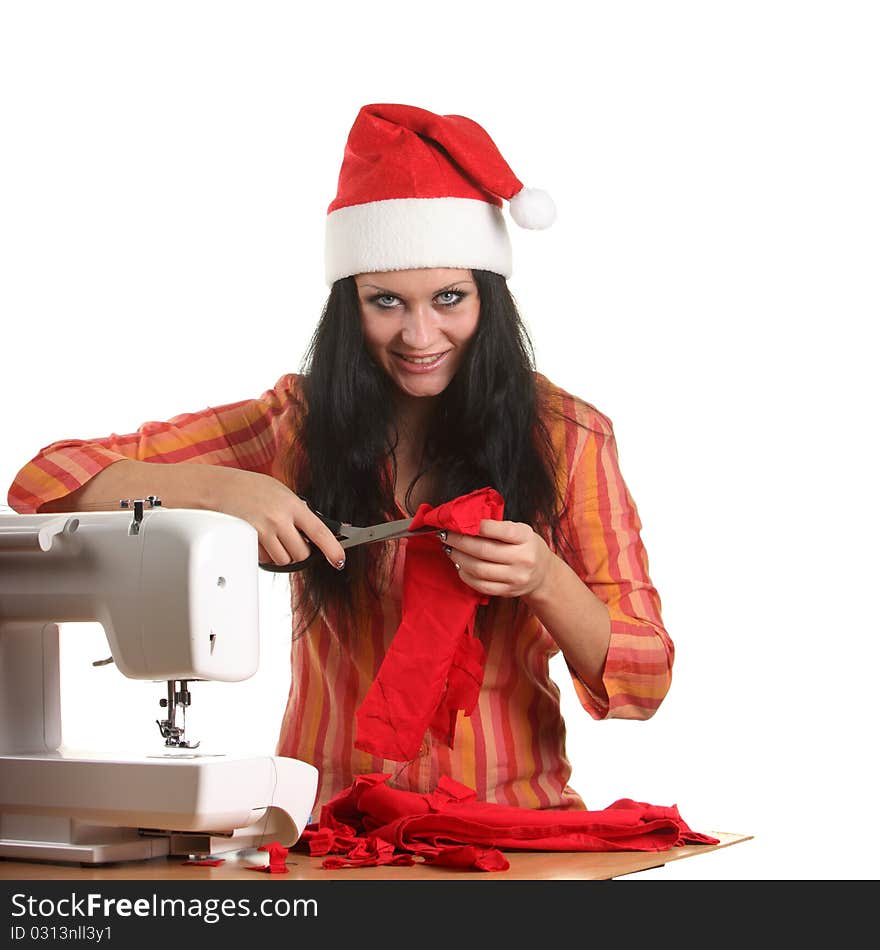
{"x":420,"y":364}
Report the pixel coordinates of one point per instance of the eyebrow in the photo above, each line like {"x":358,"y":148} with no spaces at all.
{"x":394,"y":293}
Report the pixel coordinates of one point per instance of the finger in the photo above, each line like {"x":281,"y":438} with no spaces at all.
{"x":275,"y":550}
{"x":489,"y":588}
{"x":482,"y":570}
{"x":294,"y":543}
{"x":492,"y":590}
{"x":321,"y":536}
{"x":483,"y":548}
{"x":511,"y":532}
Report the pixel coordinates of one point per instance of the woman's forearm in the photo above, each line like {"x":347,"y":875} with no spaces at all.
{"x":278,"y":515}
{"x":178,"y":485}
{"x":576,"y":619}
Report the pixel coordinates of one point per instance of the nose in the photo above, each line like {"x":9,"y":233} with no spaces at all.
{"x":418,"y":327}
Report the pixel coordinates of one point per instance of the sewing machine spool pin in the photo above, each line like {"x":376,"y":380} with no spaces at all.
{"x":137,"y":504}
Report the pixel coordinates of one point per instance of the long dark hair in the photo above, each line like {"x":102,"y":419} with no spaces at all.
{"x":488,"y":430}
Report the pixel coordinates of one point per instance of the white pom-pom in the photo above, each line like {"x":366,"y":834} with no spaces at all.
{"x":533,"y":208}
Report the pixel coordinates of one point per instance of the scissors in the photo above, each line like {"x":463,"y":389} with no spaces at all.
{"x":349,"y":536}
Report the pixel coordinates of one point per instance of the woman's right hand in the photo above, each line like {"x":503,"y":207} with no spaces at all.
{"x":286,"y":527}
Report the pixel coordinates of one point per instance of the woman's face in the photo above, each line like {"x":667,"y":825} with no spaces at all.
{"x":418,"y":324}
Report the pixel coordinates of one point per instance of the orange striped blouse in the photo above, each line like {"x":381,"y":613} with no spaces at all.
{"x":511,"y":749}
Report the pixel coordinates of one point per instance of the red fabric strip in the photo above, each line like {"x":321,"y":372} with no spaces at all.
{"x":434,"y":665}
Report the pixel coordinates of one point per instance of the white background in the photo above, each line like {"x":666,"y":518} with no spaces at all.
{"x":711,"y":284}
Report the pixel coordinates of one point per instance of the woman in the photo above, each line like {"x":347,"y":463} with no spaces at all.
{"x":418,"y":388}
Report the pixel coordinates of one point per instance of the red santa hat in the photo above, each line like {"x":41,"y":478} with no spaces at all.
{"x":423,"y":190}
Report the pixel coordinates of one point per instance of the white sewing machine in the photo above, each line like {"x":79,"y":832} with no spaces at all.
{"x":176,"y":592}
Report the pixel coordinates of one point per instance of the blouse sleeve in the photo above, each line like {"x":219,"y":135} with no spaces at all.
{"x":603,"y":527}
{"x":252,"y":434}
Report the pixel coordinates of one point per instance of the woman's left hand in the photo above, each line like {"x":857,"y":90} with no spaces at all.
{"x":506,"y":559}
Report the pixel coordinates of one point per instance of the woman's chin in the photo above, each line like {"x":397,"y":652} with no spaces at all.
{"x":421,"y":387}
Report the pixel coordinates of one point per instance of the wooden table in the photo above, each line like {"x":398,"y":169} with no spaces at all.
{"x":532,"y":866}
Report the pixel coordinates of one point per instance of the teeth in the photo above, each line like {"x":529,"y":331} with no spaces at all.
{"x":421,"y":360}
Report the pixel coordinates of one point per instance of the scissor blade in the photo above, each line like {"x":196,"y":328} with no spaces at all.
{"x":379,"y":532}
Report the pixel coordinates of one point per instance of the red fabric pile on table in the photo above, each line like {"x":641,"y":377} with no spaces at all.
{"x":370,"y":823}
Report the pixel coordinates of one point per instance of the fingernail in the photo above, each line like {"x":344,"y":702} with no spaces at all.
{"x":441,"y":535}
{"x":447,"y":549}
{"x":339,"y":565}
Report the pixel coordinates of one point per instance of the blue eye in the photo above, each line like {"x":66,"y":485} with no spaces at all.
{"x":458,"y":296}
{"x":446,"y":298}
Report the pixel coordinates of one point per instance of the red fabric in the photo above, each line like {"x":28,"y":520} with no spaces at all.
{"x":277,"y":859}
{"x":434,"y":665}
{"x":450,"y":827}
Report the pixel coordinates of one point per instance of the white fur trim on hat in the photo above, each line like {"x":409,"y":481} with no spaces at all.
{"x":407,"y":233}
{"x":533,"y":208}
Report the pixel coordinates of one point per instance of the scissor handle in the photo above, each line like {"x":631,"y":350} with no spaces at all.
{"x":334,"y":525}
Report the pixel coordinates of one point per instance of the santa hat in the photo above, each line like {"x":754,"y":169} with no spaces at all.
{"x":423,"y":190}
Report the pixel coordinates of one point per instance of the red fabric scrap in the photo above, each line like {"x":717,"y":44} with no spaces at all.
{"x":434,"y":665}
{"x":277,"y":859}
{"x":368,"y":852}
{"x":372,"y":823}
{"x":207,"y":862}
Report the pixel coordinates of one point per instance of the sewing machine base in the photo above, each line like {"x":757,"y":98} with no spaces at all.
{"x":38,"y":838}
{"x":73,"y":842}
{"x":92,"y":810}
